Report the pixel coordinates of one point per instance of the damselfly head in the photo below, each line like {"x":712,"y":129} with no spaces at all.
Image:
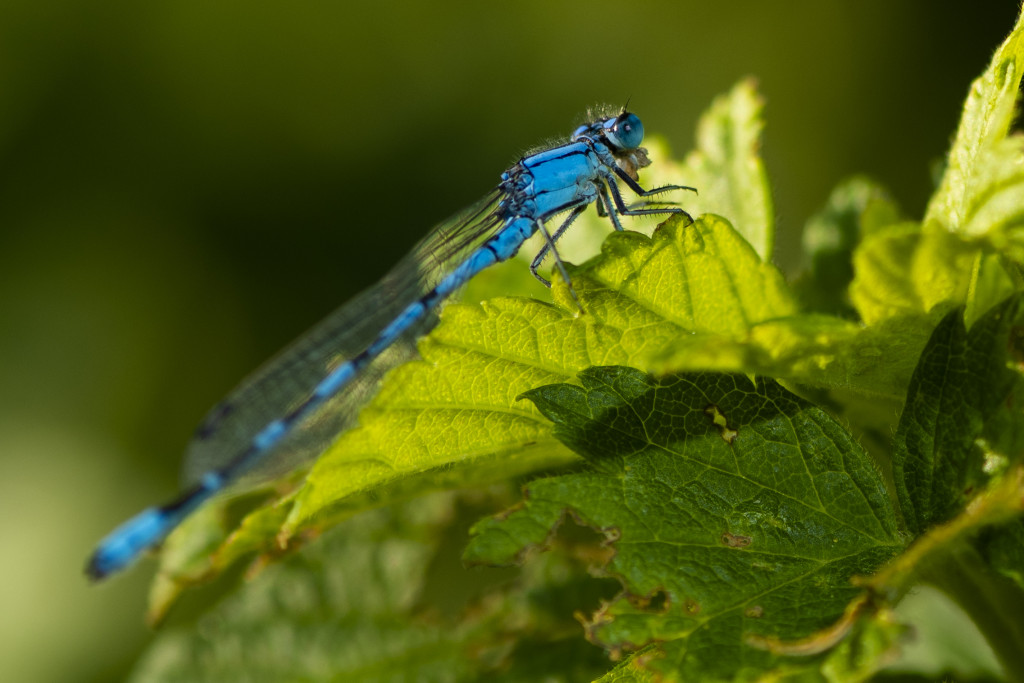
{"x":625,"y":131}
{"x":622,"y":132}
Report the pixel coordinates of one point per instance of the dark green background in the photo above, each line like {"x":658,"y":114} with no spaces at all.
{"x":186,"y":186}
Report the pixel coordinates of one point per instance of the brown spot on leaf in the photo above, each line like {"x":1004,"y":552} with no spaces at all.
{"x":735,"y":540}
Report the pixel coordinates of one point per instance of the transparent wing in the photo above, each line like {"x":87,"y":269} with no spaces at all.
{"x":289,"y":377}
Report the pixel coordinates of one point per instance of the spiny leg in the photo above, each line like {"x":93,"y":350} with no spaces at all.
{"x":641,"y":192}
{"x":605,"y":207}
{"x":624,"y":210}
{"x":550,"y":246}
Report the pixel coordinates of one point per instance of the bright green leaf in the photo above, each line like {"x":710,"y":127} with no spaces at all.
{"x":901,"y":272}
{"x":982,"y":190}
{"x":727,"y":170}
{"x":738,"y":514}
{"x":705,"y":278}
{"x":993,"y":279}
{"x":740,"y":314}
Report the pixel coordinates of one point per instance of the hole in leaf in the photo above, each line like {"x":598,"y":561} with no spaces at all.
{"x":718,"y":418}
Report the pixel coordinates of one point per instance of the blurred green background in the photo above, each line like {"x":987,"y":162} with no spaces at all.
{"x":186,"y":186}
